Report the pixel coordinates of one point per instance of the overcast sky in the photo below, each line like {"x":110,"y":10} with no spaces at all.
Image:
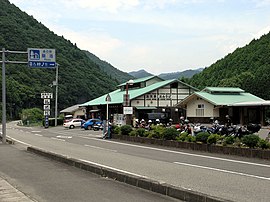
{"x":159,"y":36}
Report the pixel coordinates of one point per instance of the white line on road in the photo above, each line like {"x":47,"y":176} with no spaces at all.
{"x":36,"y":131}
{"x":38,"y":135}
{"x":100,"y":148}
{"x":57,"y":139}
{"x":183,"y":153}
{"x":220,"y":170}
{"x":116,"y":169}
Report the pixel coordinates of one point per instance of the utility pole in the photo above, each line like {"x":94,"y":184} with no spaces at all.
{"x":56,"y":94}
{"x":4,"y":130}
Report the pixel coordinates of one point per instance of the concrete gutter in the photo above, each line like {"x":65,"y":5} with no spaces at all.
{"x":138,"y":181}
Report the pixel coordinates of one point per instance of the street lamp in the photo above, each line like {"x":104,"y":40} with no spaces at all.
{"x":130,"y":82}
{"x":127,"y":100}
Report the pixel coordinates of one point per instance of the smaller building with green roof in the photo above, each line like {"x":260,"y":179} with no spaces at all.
{"x":217,"y":102}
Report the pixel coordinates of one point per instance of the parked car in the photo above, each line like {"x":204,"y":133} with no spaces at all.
{"x":68,"y":118}
{"x":73,"y":123}
{"x":88,"y":125}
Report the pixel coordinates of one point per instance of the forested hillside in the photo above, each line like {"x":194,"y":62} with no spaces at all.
{"x":80,"y":79}
{"x":178,"y":75}
{"x":111,"y":71}
{"x":247,"y":68}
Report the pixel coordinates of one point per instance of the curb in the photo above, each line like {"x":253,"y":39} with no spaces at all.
{"x":7,"y":140}
{"x":138,"y":181}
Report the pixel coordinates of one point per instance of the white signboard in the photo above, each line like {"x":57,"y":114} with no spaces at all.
{"x":46,"y":95}
{"x":128,"y":110}
{"x":47,"y":107}
{"x":47,"y":101}
{"x":47,"y":113}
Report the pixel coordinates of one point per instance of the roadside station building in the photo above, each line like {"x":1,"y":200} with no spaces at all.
{"x":148,"y":98}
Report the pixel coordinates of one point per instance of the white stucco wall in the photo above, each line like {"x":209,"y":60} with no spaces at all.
{"x":193,"y":105}
{"x":162,"y":97}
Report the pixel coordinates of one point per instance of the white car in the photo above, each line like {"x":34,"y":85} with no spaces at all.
{"x":73,"y":123}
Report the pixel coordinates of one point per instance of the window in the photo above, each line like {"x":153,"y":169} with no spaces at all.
{"x":200,"y":110}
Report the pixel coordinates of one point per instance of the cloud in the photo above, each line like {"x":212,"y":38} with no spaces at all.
{"x":112,"y":6}
{"x":263,"y":31}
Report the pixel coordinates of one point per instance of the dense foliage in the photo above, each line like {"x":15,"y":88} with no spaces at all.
{"x":80,"y":79}
{"x":111,"y":71}
{"x":247,"y":68}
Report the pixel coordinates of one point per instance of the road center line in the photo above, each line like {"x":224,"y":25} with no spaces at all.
{"x":220,"y":170}
{"x":177,"y":152}
{"x":100,"y":148}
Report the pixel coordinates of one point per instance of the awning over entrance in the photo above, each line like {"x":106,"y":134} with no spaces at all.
{"x":145,"y":108}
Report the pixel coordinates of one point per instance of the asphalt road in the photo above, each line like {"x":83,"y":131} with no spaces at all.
{"x":233,"y":178}
{"x":44,"y":180}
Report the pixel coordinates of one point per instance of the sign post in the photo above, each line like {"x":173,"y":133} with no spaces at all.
{"x":46,"y":101}
{"x":107,"y":99}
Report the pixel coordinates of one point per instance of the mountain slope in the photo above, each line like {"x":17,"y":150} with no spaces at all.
{"x":140,"y":74}
{"x":178,"y":75}
{"x":80,"y":79}
{"x":111,"y":71}
{"x":247,"y":68}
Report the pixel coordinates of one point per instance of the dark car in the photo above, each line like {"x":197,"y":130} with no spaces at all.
{"x":88,"y":125}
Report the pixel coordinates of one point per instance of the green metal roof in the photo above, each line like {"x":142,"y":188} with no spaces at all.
{"x":141,"y":80}
{"x":223,"y":89}
{"x":227,"y":99}
{"x":117,"y":95}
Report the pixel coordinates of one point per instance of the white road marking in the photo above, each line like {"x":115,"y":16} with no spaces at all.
{"x":177,"y":152}
{"x":36,"y":131}
{"x":221,"y":170}
{"x":38,"y":135}
{"x":86,"y":145}
{"x":119,"y":170}
{"x":57,"y":139}
{"x":63,"y":136}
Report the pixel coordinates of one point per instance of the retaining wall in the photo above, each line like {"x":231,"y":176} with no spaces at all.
{"x":245,"y":152}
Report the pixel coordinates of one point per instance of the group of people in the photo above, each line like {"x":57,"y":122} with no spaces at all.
{"x":147,"y":124}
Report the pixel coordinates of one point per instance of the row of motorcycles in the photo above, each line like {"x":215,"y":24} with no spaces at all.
{"x":216,"y":128}
{"x":228,"y":130}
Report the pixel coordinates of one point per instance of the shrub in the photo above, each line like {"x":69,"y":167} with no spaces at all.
{"x":32,"y":115}
{"x":213,"y":138}
{"x":158,"y":132}
{"x":228,"y":140}
{"x":140,"y":132}
{"x":116,"y":129}
{"x":202,"y":137}
{"x":251,"y":140}
{"x":190,"y":138}
{"x":182,"y":137}
{"x":237,"y":142}
{"x":125,"y":129}
{"x":133,"y":133}
{"x":264,"y":144}
{"x":149,"y":134}
{"x":170,"y":134}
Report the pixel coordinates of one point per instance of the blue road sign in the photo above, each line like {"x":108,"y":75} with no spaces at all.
{"x":41,"y":58}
